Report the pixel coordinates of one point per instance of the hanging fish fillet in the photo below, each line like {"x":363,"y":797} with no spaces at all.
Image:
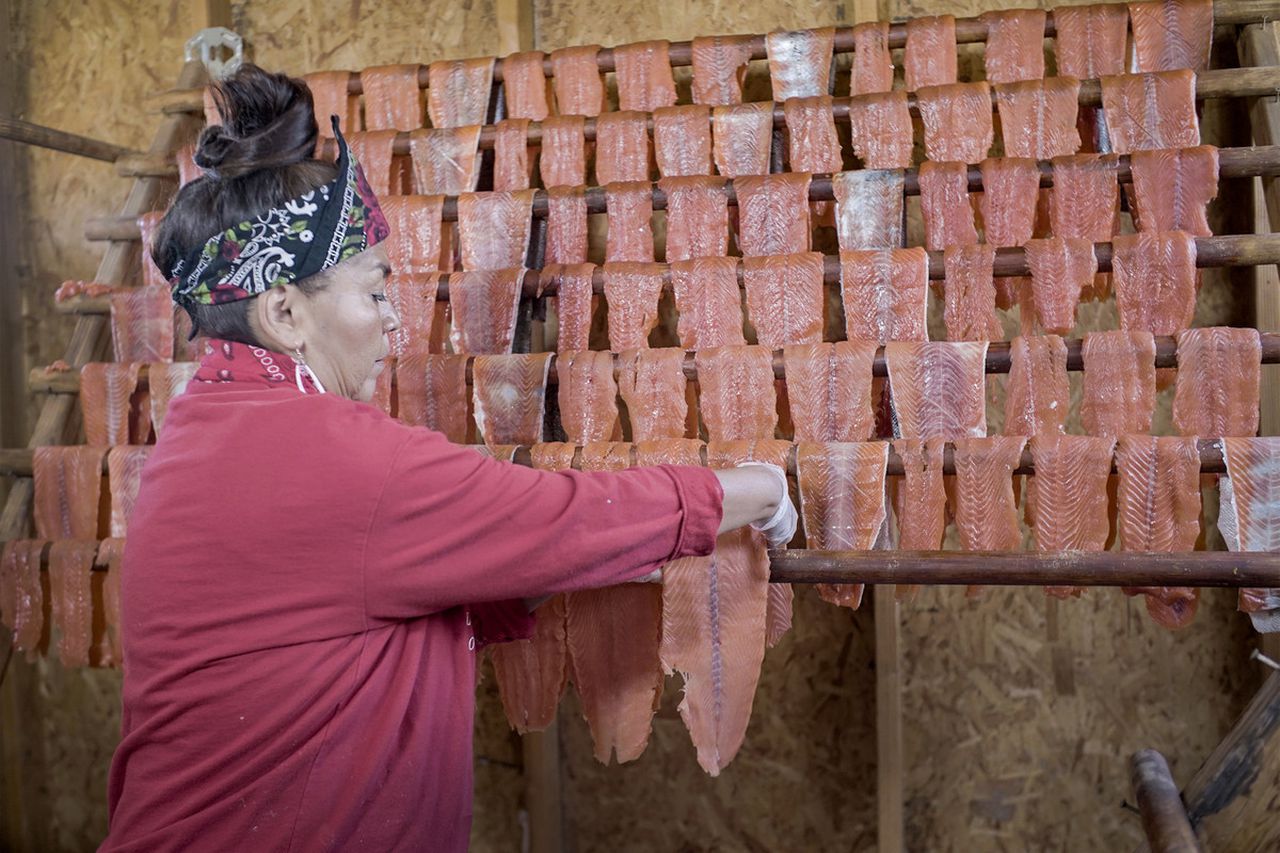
{"x":432,"y":392}
{"x":110,"y":645}
{"x":1155,"y":280}
{"x":869,"y":208}
{"x":622,"y":147}
{"x":1119,"y":382}
{"x":969,"y":310}
{"x":510,"y":396}
{"x":937,"y":388}
{"x":1084,"y":203}
{"x":1061,"y":269}
{"x":682,"y":140}
{"x":1172,"y":34}
{"x":445,"y":159}
{"x":1038,"y":117}
{"x":166,"y":380}
{"x":1249,"y":516}
{"x":842,"y":500}
{"x":588,"y":396}
{"x":374,"y":151}
{"x":919,"y":500}
{"x":330,"y":96}
{"x":566,"y":225}
{"x":957,"y":121}
{"x":413,"y":296}
{"x":872,"y":67}
{"x":719,"y":67}
{"x":829,"y":390}
{"x":652,"y":384}
{"x":944,"y":203}
{"x":574,"y":303}
{"x":632,"y":291}
{"x":458,"y":91}
{"x":512,"y":167}
{"x":68,"y":491}
{"x":1067,"y":497}
{"x":151,"y":274}
{"x":630,"y":235}
{"x":1010,"y":190}
{"x":885,"y":294}
{"x":774,"y":214}
{"x":493,"y":229}
{"x":742,"y":136}
{"x":1037,"y":395}
{"x":1173,"y":186}
{"x":643,"y":71}
{"x":709,"y":302}
{"x":1015,"y":45}
{"x":697,"y":217}
{"x":142,"y":323}
{"x":736,"y":393}
{"x":106,"y":391}
{"x":70,"y":573}
{"x":882,"y":134}
{"x":579,"y":85}
{"x":484,"y":304}
{"x":930,"y":57}
{"x":800,"y":62}
{"x":524,"y":85}
{"x":415,"y":241}
{"x":1149,"y":111}
{"x":124,"y":476}
{"x":22,"y":594}
{"x":811,"y":130}
{"x":785,"y":298}
{"x":564,"y":152}
{"x":1219,"y":377}
{"x":1091,"y":40}
{"x":986,"y":508}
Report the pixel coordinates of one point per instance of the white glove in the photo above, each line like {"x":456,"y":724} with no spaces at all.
{"x":781,"y":526}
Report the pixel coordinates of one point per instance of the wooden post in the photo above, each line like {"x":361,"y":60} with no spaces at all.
{"x":889,"y":760}
{"x":1164,"y":819}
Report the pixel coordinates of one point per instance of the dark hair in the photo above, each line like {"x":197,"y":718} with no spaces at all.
{"x":259,"y":157}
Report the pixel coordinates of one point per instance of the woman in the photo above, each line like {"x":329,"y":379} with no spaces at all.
{"x":307,"y":579}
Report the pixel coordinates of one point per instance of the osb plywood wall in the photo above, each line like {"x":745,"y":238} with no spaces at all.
{"x":1019,"y":712}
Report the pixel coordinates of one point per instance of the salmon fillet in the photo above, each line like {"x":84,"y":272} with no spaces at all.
{"x":697,"y":217}
{"x":1091,"y":40}
{"x":742,"y":136}
{"x":493,"y":229}
{"x":829,"y":390}
{"x":413,"y":296}
{"x":1250,"y":511}
{"x":800,"y":62}
{"x":930,"y":56}
{"x":106,"y":392}
{"x":630,"y":235}
{"x":885,"y":294}
{"x":871,"y":70}
{"x":1084,"y":203}
{"x":1061,"y":269}
{"x":652,"y":384}
{"x":643,"y":72}
{"x":71,"y":594}
{"x":969,"y":309}
{"x":512,"y":168}
{"x":1173,"y":186}
{"x":811,"y":131}
{"x":957,"y":121}
{"x":1038,"y":117}
{"x":373,"y":149}
{"x":631,"y":291}
{"x":1154,"y":275}
{"x":563,"y":160}
{"x":709,"y":302}
{"x":458,"y":91}
{"x":524,"y":85}
{"x":124,"y":475}
{"x":882,"y":134}
{"x":331,"y":96}
{"x":1119,"y":382}
{"x":622,"y":148}
{"x":937,"y":388}
{"x":574,"y":303}
{"x":842,"y":499}
{"x":110,"y":645}
{"x":22,"y":594}
{"x":785,"y":298}
{"x":1172,"y":34}
{"x":944,"y":203}
{"x":1067,"y":497}
{"x":566,"y":226}
{"x":736,"y":393}
{"x":682,"y":140}
{"x":869,"y":208}
{"x":68,"y":491}
{"x":1150,"y":111}
{"x":382,"y":387}
{"x":719,"y":68}
{"x":588,"y":396}
{"x":445,"y":159}
{"x":1219,"y":377}
{"x":484,"y":304}
{"x":165,"y":380}
{"x":510,"y":394}
{"x":1015,"y":45}
{"x":1008,"y":207}
{"x":415,"y":241}
{"x":151,"y":274}
{"x":432,"y":392}
{"x":579,"y":85}
{"x":774,"y":214}
{"x":531,"y":674}
{"x":142,"y":324}
{"x":986,"y":509}
{"x":919,"y":500}
{"x":1158,"y":509}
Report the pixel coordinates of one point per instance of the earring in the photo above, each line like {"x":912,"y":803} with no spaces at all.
{"x":300,"y":365}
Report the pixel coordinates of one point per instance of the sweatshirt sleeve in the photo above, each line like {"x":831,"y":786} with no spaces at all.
{"x":453,"y":527}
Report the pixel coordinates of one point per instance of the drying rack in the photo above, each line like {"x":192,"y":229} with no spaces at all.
{"x":1216,"y":790}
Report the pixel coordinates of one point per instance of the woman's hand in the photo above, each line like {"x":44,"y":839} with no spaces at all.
{"x":756,"y":494}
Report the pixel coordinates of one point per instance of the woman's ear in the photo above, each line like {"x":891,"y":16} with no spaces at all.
{"x":278,"y":318}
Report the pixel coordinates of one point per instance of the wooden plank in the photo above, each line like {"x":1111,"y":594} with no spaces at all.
{"x":889,"y":758}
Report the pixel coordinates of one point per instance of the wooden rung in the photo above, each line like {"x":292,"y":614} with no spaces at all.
{"x":1164,"y":817}
{"x":58,"y":140}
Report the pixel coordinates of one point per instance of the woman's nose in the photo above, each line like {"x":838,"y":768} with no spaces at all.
{"x":390,"y":319}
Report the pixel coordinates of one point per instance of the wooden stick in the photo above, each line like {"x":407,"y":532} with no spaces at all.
{"x":1164,"y":819}
{"x":1261,"y":160}
{"x":59,"y":140}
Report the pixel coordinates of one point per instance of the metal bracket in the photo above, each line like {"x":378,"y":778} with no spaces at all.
{"x":207,"y":46}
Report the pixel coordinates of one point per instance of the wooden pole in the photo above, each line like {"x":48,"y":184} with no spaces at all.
{"x":890,"y":762}
{"x":1164,"y":819}
{"x":18,"y":130}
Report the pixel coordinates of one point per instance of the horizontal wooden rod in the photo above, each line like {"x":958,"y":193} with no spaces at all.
{"x":1245,"y":162}
{"x":680,"y":53}
{"x":1030,"y":568}
{"x":18,"y":130}
{"x":1164,"y":817}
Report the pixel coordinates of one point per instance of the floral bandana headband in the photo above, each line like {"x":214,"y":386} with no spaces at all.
{"x":313,"y":232}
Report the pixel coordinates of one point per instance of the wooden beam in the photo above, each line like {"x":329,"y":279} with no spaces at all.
{"x":1164,"y":819}
{"x":18,"y":130}
{"x":889,"y":757}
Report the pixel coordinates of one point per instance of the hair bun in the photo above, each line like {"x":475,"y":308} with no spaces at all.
{"x":268,"y":122}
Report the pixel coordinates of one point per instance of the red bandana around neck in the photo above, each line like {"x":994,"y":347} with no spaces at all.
{"x":231,"y":361}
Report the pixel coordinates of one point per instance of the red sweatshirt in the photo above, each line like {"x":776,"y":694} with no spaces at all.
{"x":306,"y":584}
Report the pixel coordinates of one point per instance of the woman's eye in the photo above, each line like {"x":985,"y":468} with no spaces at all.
{"x":379,"y":297}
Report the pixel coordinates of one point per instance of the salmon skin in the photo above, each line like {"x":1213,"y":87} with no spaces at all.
{"x":566,"y":226}
{"x":800,"y":62}
{"x":510,"y":397}
{"x":682,"y":140}
{"x":1173,"y":187}
{"x":643,"y":72}
{"x":697,"y":217}
{"x":881,"y":126}
{"x":736,"y":396}
{"x":1061,"y":269}
{"x":1009,"y":210}
{"x":829,"y":390}
{"x":124,"y":476}
{"x":374,"y":149}
{"x":458,"y":91}
{"x":1068,"y":495}
{"x":147,"y":224}
{"x":811,"y":132}
{"x":774,"y":214}
{"x":587,"y":395}
{"x":1037,"y":396}
{"x":742,"y":136}
{"x":1119,"y":382}
{"x":1154,"y":275}
{"x":630,"y":235}
{"x":869,"y":208}
{"x":493,"y":229}
{"x":484,"y":304}
{"x":1091,"y":40}
{"x":970,"y":302}
{"x":622,"y":147}
{"x":919,"y":500}
{"x":110,"y":643}
{"x":414,"y":245}
{"x":1151,"y":111}
{"x":930,"y":56}
{"x":413,"y":296}
{"x":70,"y":591}
{"x":957,"y":121}
{"x":632,"y":291}
{"x":719,"y":68}
{"x":166,"y":380}
{"x":944,"y":203}
{"x":142,"y":324}
{"x":785,"y":298}
{"x":68,"y":491}
{"x":1219,"y":381}
{"x":1172,"y":34}
{"x":1038,"y":117}
{"x":578,"y":83}
{"x":525,"y":85}
{"x":563,"y":162}
{"x":1015,"y":45}
{"x":106,"y":399}
{"x":574,"y":303}
{"x":885,"y":294}
{"x":937,"y":388}
{"x":432,"y":392}
{"x":986,"y":508}
{"x":1084,"y":203}
{"x":445,"y":159}
{"x":22,"y":594}
{"x":709,"y":302}
{"x":330,"y":96}
{"x":1249,"y":514}
{"x":653,"y":385}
